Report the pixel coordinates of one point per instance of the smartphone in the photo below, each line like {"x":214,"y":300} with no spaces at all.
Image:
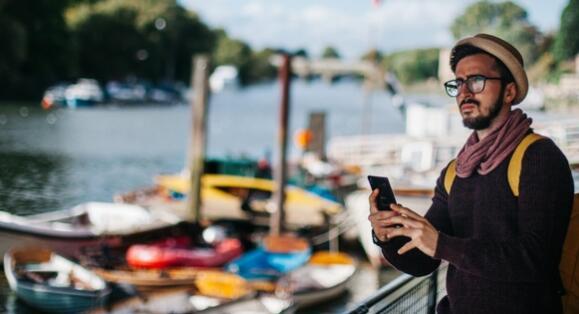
{"x":386,"y":195}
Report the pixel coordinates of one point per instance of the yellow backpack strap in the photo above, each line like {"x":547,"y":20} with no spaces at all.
{"x":516,"y":163}
{"x":569,"y":265}
{"x":449,"y":176}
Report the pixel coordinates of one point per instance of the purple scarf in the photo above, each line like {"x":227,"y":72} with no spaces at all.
{"x":484,"y":156}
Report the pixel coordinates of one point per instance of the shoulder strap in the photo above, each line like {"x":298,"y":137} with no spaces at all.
{"x":513,"y":172}
{"x":516,"y":163}
{"x":449,"y":176}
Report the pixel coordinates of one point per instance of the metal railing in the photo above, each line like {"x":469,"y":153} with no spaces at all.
{"x":406,"y":294}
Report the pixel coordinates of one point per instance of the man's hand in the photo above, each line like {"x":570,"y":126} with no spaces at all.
{"x":422,"y":234}
{"x":378,"y":218}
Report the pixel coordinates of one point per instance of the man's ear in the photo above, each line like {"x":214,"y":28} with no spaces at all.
{"x":510,"y":93}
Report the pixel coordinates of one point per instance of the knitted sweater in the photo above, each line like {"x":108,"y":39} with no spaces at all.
{"x":503,"y":252}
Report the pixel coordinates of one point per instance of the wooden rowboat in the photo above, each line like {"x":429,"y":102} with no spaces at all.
{"x":52,"y":283}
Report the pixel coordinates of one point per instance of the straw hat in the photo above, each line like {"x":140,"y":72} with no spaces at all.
{"x":505,"y":52}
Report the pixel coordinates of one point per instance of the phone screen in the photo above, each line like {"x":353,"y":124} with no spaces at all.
{"x":386,"y":195}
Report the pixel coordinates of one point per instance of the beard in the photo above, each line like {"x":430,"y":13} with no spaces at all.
{"x":482,"y":122}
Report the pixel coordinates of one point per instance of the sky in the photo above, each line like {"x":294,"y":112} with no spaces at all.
{"x":353,"y":27}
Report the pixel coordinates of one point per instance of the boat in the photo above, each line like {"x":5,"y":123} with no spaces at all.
{"x":126,"y":92}
{"x":323,"y":278}
{"x":54,"y":97}
{"x":224,"y":77}
{"x":72,"y":231}
{"x":277,"y":256}
{"x":150,"y":278}
{"x":85,"y":93}
{"x":176,"y":252}
{"x":186,"y":300}
{"x":208,"y":291}
{"x":52,"y":283}
{"x":235,"y":197}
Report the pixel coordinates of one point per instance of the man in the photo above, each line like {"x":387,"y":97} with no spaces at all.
{"x":503,"y":251}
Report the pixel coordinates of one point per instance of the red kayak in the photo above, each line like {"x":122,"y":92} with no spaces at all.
{"x":175,"y":252}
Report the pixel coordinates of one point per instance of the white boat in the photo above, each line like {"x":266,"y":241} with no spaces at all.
{"x":324,"y":277}
{"x":85,"y":93}
{"x":187,"y":301}
{"x":88,"y":225}
{"x":224,"y":76}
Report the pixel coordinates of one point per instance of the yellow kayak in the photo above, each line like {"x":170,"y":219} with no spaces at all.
{"x":236,"y":197}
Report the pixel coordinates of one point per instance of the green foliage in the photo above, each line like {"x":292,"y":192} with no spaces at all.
{"x":567,"y":41}
{"x":252,"y":66}
{"x":330,"y":53}
{"x":504,"y":19}
{"x":108,"y":45}
{"x":373,"y":55}
{"x":234,"y":52}
{"x":46,"y":41}
{"x":231,"y":51}
{"x":150,"y":39}
{"x":413,"y":65}
{"x":35,"y":47}
{"x":301,"y":53}
{"x":260,"y":66}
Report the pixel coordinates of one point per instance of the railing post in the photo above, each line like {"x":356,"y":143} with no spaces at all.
{"x":433,"y":291}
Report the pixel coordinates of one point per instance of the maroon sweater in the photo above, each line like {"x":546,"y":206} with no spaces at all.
{"x":503,"y":251}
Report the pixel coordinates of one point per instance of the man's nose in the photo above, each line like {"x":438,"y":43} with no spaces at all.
{"x":463,"y":89}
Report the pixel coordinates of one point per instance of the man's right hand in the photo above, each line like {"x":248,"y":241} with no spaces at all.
{"x":377,"y":218}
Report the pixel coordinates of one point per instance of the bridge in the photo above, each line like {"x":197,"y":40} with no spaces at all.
{"x":330,"y":68}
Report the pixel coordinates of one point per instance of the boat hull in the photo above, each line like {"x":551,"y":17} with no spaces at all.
{"x":72,"y":243}
{"x":48,"y":297}
{"x":56,"y":300}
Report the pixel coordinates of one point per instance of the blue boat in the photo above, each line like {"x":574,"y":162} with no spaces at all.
{"x":261,"y":264}
{"x":51,"y":283}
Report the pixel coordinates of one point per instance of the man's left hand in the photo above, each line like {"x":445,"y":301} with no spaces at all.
{"x":422,"y":234}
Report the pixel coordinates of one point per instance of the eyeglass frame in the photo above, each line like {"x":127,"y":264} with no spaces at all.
{"x":469,"y":79}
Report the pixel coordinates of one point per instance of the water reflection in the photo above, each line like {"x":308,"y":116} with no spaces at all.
{"x":32,"y":183}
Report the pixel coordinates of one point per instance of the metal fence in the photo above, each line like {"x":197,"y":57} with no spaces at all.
{"x":407,"y":294}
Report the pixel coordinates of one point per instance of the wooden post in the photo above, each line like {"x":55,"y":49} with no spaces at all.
{"x":278,"y":216}
{"x":198,"y":134}
{"x":317,"y":125}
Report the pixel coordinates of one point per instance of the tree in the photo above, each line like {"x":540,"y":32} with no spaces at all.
{"x":413,"y":65}
{"x":506,"y":20}
{"x":261,"y":67}
{"x":35,"y":50}
{"x":330,"y":53}
{"x":567,"y":41}
{"x":301,"y":53}
{"x":373,"y":55}
{"x":107,"y":45}
{"x":150,"y":39}
{"x":234,"y":52}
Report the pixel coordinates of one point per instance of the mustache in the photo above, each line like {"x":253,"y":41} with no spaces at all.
{"x":469,"y":101}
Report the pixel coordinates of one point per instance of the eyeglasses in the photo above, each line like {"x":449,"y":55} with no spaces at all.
{"x":475,"y":84}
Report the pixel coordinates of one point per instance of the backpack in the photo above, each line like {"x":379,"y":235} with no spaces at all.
{"x":569,"y":265}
